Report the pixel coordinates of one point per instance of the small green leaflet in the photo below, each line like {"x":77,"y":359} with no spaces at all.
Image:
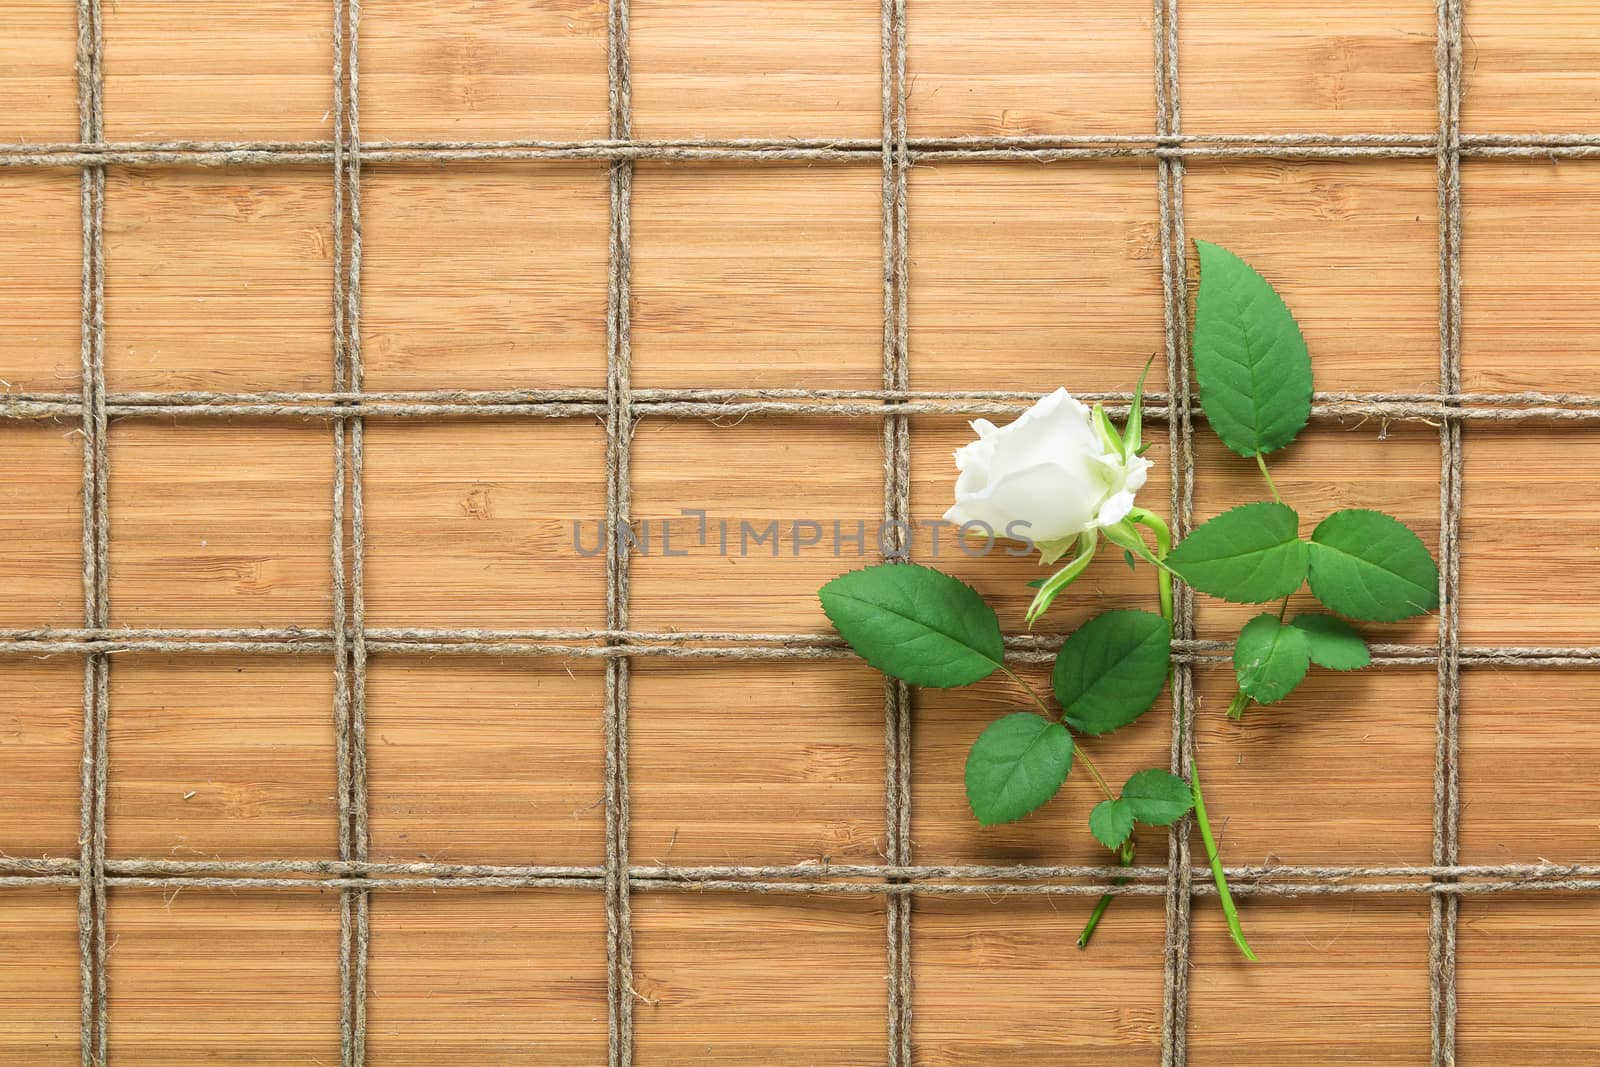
{"x":1133,"y":435}
{"x":1369,"y":565}
{"x":1334,"y":642}
{"x":1270,"y":658}
{"x":1112,"y":669}
{"x":1249,"y":555}
{"x":1051,"y":587}
{"x":1249,"y":357}
{"x":1016,"y":765}
{"x":916,"y":624}
{"x":1156,"y":797}
{"x":1111,"y":822}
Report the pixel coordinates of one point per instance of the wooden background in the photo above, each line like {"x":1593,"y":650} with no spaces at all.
{"x":1022,"y":277}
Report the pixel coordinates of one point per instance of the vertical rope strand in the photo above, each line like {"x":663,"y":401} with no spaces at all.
{"x":341,"y":651}
{"x":902,"y":497}
{"x":86,"y":912}
{"x":358,"y":526}
{"x":896,"y":508}
{"x":1180,"y":443}
{"x":95,"y":539}
{"x":891,"y":696}
{"x":1444,"y":909}
{"x":619,"y":433}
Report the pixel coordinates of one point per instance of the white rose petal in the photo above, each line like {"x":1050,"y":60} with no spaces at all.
{"x":1048,"y":477}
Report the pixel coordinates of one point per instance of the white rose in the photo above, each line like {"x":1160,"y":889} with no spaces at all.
{"x":1052,"y":470}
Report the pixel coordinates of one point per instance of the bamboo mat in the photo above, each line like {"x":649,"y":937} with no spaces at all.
{"x":658,"y":216}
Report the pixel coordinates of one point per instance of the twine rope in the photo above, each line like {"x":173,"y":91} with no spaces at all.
{"x":609,"y":644}
{"x":1044,"y":148}
{"x":719,"y":404}
{"x":91,"y":875}
{"x":351,"y":642}
{"x":1444,"y":907}
{"x":896,"y":512}
{"x":619,"y":421}
{"x":1181,"y":884}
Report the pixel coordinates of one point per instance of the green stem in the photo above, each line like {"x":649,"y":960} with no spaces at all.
{"x":1077,"y":747}
{"x":1124,"y":859}
{"x":1163,"y":533}
{"x":1163,"y":545}
{"x":1217,"y":875}
{"x":1262,"y":463}
{"x":1237,"y":706}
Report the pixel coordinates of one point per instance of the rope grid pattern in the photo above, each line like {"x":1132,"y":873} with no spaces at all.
{"x":898,"y":879}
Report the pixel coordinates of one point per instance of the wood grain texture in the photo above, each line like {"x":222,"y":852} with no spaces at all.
{"x":757,"y":277}
{"x":1339,"y":772}
{"x":1027,"y":277}
{"x":484,"y":70}
{"x":1000,"y":981}
{"x":1531,"y":68}
{"x":1339,"y":980}
{"x":39,"y":975}
{"x":778,"y":69}
{"x":1352,"y":246}
{"x":755,"y":763}
{"x":242,"y":978}
{"x":746,"y":477}
{"x":220,"y":524}
{"x":37,"y":80}
{"x":211,"y":70}
{"x":41,"y":749}
{"x":1527,"y":276}
{"x":41,"y":559}
{"x":1522,"y":733}
{"x":470,"y":523}
{"x":1354,"y":462}
{"x":477,"y":760}
{"x":1261,"y":66}
{"x":40,"y":271}
{"x":484,"y":277}
{"x":1030,"y":67}
{"x":222,"y":757}
{"x":487,"y":976}
{"x":1527,"y":980}
{"x":219,"y":279}
{"x":1521,"y":582}
{"x":736,"y":979}
{"x":1022,"y":277}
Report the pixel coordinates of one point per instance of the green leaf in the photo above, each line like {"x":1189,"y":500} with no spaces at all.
{"x":1112,"y":669}
{"x":1249,"y":555}
{"x":1157,"y":798}
{"x":1369,"y":565}
{"x":916,"y":624}
{"x":1270,"y":658}
{"x":1111,"y":822}
{"x":1249,"y":357}
{"x":1127,"y":557}
{"x":1334,"y":642}
{"x":1016,"y":765}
